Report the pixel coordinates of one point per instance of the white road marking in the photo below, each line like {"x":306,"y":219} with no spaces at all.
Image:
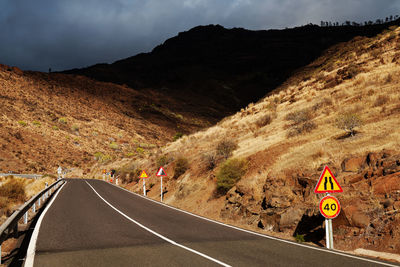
{"x":157,"y":234}
{"x":259,"y":234}
{"x":30,"y":255}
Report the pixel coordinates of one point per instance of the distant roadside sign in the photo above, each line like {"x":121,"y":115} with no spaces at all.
{"x":144,"y":174}
{"x":329,"y":207}
{"x":327,"y":183}
{"x":161,"y":172}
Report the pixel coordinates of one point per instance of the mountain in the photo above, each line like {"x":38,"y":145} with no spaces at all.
{"x":210,"y":66}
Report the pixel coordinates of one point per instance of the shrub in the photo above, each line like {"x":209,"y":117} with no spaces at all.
{"x":348,"y":122}
{"x":75,"y":128}
{"x":36,"y":123}
{"x":139,"y":150}
{"x":211,"y":160}
{"x":300,"y":116}
{"x":264,"y":120}
{"x":22,"y":123}
{"x":231,"y":171}
{"x":129,"y":154}
{"x":98,"y":155}
{"x":178,"y":135}
{"x":299,"y":238}
{"x":13,"y":189}
{"x":106,"y":158}
{"x":381,"y":100}
{"x":62,"y":120}
{"x":113,"y":145}
{"x":162,"y":161}
{"x":55,"y":128}
{"x":302,"y":128}
{"x":181,"y":166}
{"x":225,"y":148}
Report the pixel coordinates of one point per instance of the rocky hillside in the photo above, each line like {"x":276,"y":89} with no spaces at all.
{"x":258,"y":168}
{"x":57,"y":119}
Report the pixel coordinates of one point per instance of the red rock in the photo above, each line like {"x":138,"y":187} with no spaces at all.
{"x":360,"y":220}
{"x":353,"y":164}
{"x":386,"y":184}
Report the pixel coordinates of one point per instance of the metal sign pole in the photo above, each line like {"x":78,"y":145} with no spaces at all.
{"x":161,"y":191}
{"x":330,"y":233}
{"x":327,"y":234}
{"x":144,"y":186}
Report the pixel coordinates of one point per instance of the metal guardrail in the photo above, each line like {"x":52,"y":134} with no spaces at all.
{"x":28,"y":176}
{"x":10,"y":226}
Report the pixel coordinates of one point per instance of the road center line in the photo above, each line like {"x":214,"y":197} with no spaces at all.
{"x":157,"y":234}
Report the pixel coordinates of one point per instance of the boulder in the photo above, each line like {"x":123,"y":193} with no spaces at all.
{"x":290,"y":218}
{"x":360,"y":220}
{"x":353,"y":164}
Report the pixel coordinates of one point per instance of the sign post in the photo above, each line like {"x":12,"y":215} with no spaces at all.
{"x":329,"y":206}
{"x":144,"y":176}
{"x":160,"y":174}
{"x":59,"y":170}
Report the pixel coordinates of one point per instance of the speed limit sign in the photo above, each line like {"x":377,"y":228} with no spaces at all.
{"x":329,"y":207}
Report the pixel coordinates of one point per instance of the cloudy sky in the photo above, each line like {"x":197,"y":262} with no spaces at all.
{"x":63,"y":34}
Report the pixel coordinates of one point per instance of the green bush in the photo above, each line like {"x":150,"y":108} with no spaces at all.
{"x":178,"y":135}
{"x":129,"y":154}
{"x":113,"y":145}
{"x":181,"y":166}
{"x":55,"y":128}
{"x":22,"y":123}
{"x":225,"y":148}
{"x":13,"y":189}
{"x":299,"y":238}
{"x":62,"y":120}
{"x":98,"y":155}
{"x":139,"y":150}
{"x":230,"y":172}
{"x":36,"y":123}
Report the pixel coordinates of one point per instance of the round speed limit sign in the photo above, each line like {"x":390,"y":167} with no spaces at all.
{"x":329,"y":207}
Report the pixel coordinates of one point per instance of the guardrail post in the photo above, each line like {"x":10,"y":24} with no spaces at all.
{"x":34,"y":207}
{"x":15,"y":231}
{"x":0,"y":253}
{"x":39,"y":202}
{"x":26,"y":218}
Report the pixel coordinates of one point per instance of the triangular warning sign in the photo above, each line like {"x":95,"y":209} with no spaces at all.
{"x":143,"y":175}
{"x":327,"y":183}
{"x":161,"y":172}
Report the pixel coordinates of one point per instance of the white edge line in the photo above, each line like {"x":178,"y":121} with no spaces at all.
{"x":255,"y":233}
{"x":157,"y":234}
{"x":30,"y":255}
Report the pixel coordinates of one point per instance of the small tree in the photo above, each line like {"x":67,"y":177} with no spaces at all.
{"x":225,"y":148}
{"x":348,"y":122}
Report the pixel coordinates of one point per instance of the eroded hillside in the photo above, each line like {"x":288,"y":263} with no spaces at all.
{"x":287,"y":138}
{"x":54,"y":119}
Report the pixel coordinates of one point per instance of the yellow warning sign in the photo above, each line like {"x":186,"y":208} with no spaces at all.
{"x":327,"y":183}
{"x":143,"y":175}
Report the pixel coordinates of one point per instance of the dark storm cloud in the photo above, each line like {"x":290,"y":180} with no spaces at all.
{"x":73,"y":33}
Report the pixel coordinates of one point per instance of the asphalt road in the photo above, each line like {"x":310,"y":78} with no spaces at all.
{"x":114,"y":227}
